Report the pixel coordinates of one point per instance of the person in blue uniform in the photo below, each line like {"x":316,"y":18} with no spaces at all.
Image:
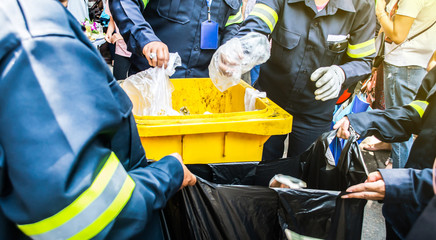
{"x":154,"y":28}
{"x":71,"y":162}
{"x":405,"y":192}
{"x":319,"y":48}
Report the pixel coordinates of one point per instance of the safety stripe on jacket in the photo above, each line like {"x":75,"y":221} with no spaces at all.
{"x":92,"y":211}
{"x":419,"y":106}
{"x":266,"y":14}
{"x":235,"y":19}
{"x":145,"y":3}
{"x":362,"y":49}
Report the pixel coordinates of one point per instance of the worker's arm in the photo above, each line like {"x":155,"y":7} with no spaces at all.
{"x":137,"y":32}
{"x":395,"y":124}
{"x":398,"y":29}
{"x":399,"y":186}
{"x":432,"y":62}
{"x":232,"y":25}
{"x":61,"y":173}
{"x":263,"y":18}
{"x":356,"y":64}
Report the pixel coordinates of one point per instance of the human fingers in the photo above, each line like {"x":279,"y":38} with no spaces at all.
{"x":189,"y":179}
{"x":162,"y":55}
{"x":328,"y":94}
{"x":153,"y":56}
{"x":167,"y":55}
{"x":368,"y":189}
{"x":225,"y":66}
{"x":365,"y":195}
{"x":343,"y":125}
{"x":325,"y":79}
{"x":340,"y":122}
{"x":318,"y":73}
{"x":150,"y":52}
{"x":374,"y":176}
{"x":146,"y":53}
{"x":108,"y":37}
{"x":274,"y":184}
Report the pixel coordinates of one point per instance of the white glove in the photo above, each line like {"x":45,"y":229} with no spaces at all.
{"x":328,"y":82}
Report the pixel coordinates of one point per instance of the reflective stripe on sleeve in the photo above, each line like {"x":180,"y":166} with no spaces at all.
{"x":419,"y":106}
{"x":235,"y":19}
{"x":92,"y":211}
{"x":362,"y":49}
{"x":145,"y":3}
{"x":266,"y":14}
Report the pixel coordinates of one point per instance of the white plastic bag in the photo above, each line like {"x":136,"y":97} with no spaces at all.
{"x":237,"y":56}
{"x":151,"y":90}
{"x":250,"y":98}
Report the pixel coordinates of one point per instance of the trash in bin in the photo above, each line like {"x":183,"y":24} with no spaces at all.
{"x":217,"y":128}
{"x":215,"y":208}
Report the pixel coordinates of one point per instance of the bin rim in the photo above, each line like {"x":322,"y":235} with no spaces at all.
{"x":272,"y":120}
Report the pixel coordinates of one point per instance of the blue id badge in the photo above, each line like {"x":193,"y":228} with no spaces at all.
{"x":209,"y":35}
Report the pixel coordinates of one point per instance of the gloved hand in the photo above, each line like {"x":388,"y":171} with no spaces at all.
{"x":328,"y":82}
{"x":237,"y":56}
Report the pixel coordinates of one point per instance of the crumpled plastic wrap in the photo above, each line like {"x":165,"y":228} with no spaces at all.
{"x":250,"y":98}
{"x":151,"y":90}
{"x":238,"y":56}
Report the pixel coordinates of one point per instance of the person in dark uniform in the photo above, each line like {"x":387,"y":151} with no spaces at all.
{"x":406,"y":192}
{"x":192,"y":28}
{"x":319,"y":48}
{"x":71,"y":162}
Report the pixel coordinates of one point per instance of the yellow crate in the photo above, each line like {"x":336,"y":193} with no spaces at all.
{"x":229,"y":134}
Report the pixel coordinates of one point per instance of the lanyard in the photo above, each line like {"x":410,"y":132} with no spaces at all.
{"x":209,"y":3}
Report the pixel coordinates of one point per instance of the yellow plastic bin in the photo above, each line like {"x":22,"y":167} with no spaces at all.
{"x":217,"y":129}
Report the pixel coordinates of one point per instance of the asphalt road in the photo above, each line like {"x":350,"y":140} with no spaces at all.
{"x":373,"y":221}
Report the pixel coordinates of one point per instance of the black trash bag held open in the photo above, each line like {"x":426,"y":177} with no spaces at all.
{"x":318,"y":169}
{"x":216,"y":209}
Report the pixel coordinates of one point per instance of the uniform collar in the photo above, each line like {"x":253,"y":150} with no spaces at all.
{"x":346,"y":5}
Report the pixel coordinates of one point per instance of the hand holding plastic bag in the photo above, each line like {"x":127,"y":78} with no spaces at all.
{"x":151,"y":90}
{"x":237,"y":56}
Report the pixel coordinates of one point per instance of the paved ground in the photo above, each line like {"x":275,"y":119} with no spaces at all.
{"x":373,"y":222}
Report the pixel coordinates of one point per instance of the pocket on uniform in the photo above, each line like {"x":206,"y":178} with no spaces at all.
{"x":286,"y":38}
{"x":283,"y":47}
{"x":175,"y":10}
{"x":334,"y":52}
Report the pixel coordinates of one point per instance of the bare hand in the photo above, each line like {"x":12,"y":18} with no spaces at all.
{"x":342,"y":125}
{"x":189,"y":179}
{"x":108,"y":37}
{"x":373,"y":188}
{"x":161,"y":52}
{"x":116,"y":37}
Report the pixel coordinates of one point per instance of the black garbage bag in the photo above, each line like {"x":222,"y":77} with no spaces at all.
{"x":216,"y":211}
{"x":318,"y":169}
{"x":216,"y":208}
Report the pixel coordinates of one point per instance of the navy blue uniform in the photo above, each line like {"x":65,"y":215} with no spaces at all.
{"x":396,"y":124}
{"x":177,"y":24}
{"x":71,"y":161}
{"x":303,"y":40}
{"x":407,"y":191}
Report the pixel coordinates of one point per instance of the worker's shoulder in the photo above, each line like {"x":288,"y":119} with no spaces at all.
{"x":30,"y":18}
{"x":363,"y":4}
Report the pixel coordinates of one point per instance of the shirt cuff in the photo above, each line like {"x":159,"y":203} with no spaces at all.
{"x":399,"y":187}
